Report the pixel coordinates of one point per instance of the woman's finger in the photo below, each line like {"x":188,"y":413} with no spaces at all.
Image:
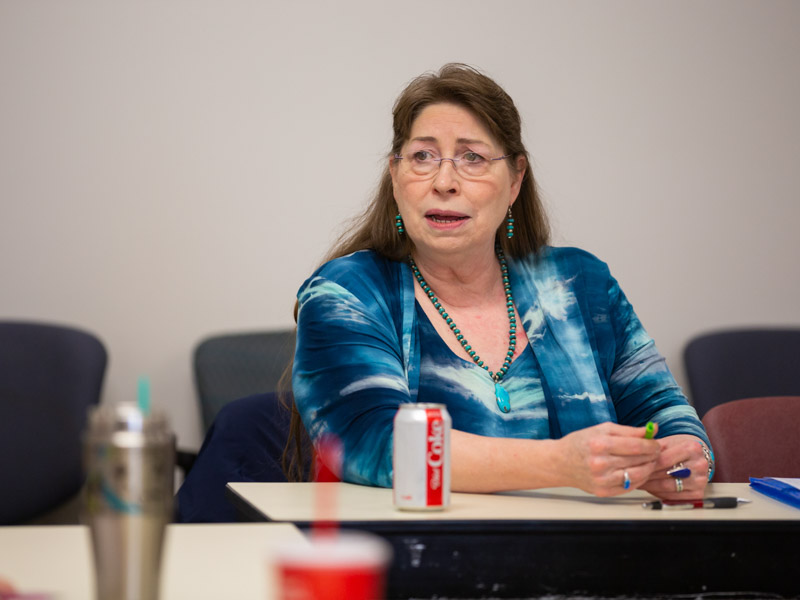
{"x":682,"y":449}
{"x":607,"y":463}
{"x":677,"y":488}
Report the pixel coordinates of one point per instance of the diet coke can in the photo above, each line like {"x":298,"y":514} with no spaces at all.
{"x":421,"y":457}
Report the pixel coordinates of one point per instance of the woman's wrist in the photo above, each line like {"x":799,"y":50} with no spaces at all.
{"x":709,"y":456}
{"x":550,"y":466}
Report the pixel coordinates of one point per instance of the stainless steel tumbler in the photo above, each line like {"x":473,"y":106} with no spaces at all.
{"x":130,"y":458}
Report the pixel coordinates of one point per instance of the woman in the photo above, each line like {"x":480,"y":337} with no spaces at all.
{"x":447,"y":292}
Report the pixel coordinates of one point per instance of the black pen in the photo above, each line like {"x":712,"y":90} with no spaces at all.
{"x":702,"y":503}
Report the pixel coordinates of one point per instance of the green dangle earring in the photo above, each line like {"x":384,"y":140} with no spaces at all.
{"x":398,"y":222}
{"x":510,"y":225}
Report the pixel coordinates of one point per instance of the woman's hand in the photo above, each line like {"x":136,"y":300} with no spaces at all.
{"x":600,"y":459}
{"x":677,"y":449}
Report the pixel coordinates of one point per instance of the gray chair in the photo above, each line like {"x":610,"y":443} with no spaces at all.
{"x":49,"y":377}
{"x":236,"y":365}
{"x":727,"y":365}
{"x":231,"y":366}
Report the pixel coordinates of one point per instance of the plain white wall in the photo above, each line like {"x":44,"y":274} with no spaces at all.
{"x":174,"y":169}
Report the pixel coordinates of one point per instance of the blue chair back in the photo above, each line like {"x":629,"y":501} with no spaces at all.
{"x":733,"y":364}
{"x":49,"y":377}
{"x":245,"y":443}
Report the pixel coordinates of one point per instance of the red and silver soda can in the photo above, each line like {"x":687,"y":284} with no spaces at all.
{"x":421,"y":457}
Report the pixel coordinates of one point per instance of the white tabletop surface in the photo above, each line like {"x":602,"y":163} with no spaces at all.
{"x":200,"y":561}
{"x":298,"y":502}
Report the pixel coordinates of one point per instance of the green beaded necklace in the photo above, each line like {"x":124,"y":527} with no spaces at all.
{"x":500,"y":393}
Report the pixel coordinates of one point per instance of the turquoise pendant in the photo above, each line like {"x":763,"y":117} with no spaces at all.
{"x":503,"y":401}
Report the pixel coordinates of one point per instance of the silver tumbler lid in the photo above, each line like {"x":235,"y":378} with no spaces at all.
{"x":126,"y":418}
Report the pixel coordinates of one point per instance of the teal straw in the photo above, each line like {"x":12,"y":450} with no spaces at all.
{"x":144,"y":395}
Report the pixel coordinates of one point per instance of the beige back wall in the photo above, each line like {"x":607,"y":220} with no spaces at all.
{"x":174,"y":169}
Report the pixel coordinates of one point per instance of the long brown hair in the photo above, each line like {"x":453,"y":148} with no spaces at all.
{"x":374,"y":229}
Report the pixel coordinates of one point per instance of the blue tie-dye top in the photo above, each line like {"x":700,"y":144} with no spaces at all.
{"x":468,"y":390}
{"x":360,"y":354}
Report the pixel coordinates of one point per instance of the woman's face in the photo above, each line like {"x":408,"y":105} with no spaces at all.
{"x":453,"y":210}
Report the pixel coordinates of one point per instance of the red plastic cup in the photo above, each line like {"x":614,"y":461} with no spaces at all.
{"x":336,"y":565}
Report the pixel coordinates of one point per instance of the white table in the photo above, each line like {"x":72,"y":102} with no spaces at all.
{"x":296,"y":502}
{"x":201,"y":562}
{"x":556,"y":541}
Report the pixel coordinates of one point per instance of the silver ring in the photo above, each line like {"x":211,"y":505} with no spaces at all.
{"x":679,"y":484}
{"x":626,"y":480}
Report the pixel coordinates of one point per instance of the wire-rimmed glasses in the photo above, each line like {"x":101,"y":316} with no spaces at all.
{"x":468,"y":164}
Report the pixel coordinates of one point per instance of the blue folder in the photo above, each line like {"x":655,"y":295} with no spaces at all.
{"x":779,"y":490}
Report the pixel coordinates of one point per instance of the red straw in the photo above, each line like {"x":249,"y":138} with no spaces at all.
{"x":327,"y":472}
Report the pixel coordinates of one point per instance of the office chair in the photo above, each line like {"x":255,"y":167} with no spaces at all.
{"x":244,"y":443}
{"x":755,"y":437}
{"x":231,"y":366}
{"x":747,"y":363}
{"x":236,"y":365}
{"x":49,"y":377}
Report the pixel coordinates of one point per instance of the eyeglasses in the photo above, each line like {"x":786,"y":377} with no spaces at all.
{"x":468,"y":164}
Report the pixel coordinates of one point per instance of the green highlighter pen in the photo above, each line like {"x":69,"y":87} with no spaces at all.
{"x":649,"y":430}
